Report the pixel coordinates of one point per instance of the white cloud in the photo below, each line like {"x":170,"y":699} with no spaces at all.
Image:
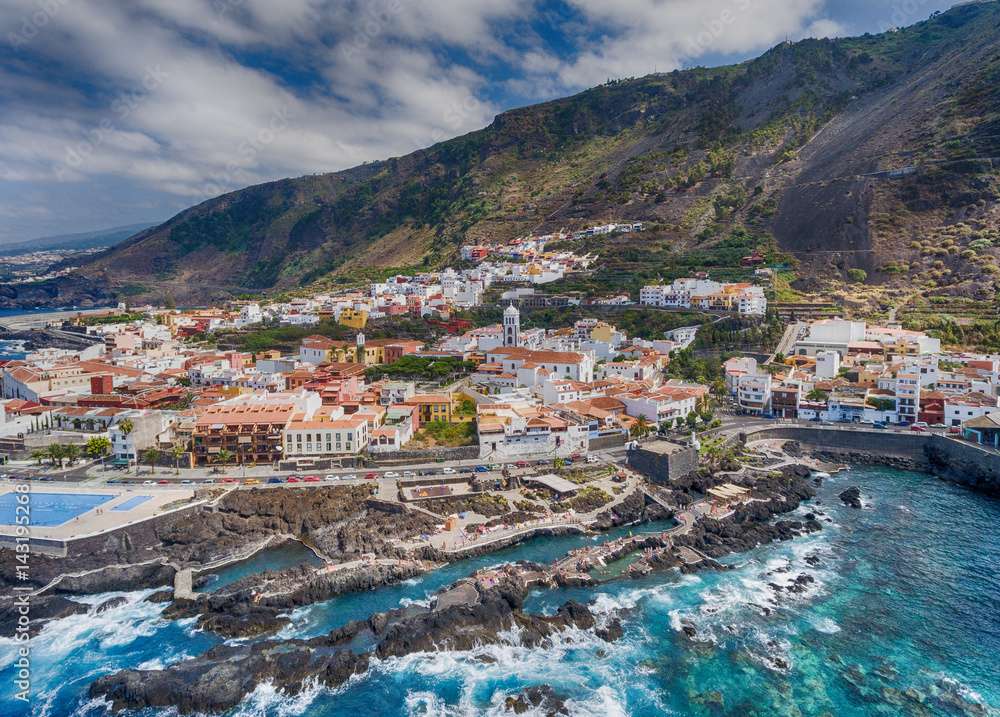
{"x":647,"y":35}
{"x":191,"y":97}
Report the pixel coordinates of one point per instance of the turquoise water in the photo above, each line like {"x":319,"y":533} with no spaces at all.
{"x":901,"y":619}
{"x":133,"y":502}
{"x":286,"y":555}
{"x":49,"y":509}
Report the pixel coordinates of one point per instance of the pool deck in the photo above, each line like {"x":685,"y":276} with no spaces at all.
{"x":102,"y":518}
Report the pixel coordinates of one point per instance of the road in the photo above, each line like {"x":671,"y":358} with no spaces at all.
{"x":93,"y":474}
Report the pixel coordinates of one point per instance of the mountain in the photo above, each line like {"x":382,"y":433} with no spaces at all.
{"x":82,"y":240}
{"x":870,"y":160}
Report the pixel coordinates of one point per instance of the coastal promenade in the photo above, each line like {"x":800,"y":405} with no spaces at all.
{"x":457,"y":542}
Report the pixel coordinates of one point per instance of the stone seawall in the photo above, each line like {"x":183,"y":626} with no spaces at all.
{"x":965,"y":463}
{"x":949,"y":458}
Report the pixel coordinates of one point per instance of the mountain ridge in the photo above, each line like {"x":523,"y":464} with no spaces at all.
{"x":76,"y":240}
{"x":790,"y":145}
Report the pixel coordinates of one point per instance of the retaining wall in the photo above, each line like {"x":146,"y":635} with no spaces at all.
{"x":949,"y":458}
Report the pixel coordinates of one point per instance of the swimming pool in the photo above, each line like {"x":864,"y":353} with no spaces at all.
{"x":48,"y":509}
{"x":132,"y":503}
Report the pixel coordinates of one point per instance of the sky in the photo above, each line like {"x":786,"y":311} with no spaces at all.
{"x":115,"y":112}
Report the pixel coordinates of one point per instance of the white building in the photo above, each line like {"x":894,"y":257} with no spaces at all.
{"x":753,"y":393}
{"x":508,"y":432}
{"x":146,"y":427}
{"x":745,"y":299}
{"x":533,"y":364}
{"x":325,"y":434}
{"x":827,"y":364}
{"x":511,"y":326}
{"x":960,"y":409}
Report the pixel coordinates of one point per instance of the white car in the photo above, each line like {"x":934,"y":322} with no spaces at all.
{"x":591,"y":459}
{"x":149,"y":482}
{"x":449,"y":470}
{"x":391,"y":474}
{"x":348,"y":477}
{"x":409,"y":474}
{"x":332,"y":477}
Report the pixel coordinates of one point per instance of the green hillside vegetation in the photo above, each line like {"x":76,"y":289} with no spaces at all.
{"x":783,"y":153}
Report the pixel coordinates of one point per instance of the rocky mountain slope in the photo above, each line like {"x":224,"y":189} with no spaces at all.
{"x":870,"y":159}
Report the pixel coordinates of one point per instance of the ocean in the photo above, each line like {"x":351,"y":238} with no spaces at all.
{"x":900,"y":615}
{"x":14,"y":350}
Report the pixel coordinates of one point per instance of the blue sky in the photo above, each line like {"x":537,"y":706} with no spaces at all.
{"x":115,"y":112}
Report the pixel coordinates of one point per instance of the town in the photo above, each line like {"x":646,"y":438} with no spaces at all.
{"x":142,"y":389}
{"x":500,"y":358}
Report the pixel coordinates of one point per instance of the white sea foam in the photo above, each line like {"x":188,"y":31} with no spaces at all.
{"x":601,"y":682}
{"x":95,"y":706}
{"x":411,"y":602}
{"x":428,"y":704}
{"x":268,"y":701}
{"x":825,"y":625}
{"x":114,"y":627}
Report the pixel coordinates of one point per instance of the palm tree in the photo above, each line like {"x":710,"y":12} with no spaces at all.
{"x":71,"y":452}
{"x":641,"y":428}
{"x":223,"y":457}
{"x":39,"y":454}
{"x":177,"y":450}
{"x":57,"y":453}
{"x":152,"y":457}
{"x":125,"y":426}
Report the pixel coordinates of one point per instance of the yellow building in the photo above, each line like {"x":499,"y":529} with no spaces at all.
{"x":354,"y":318}
{"x":603,"y":332}
{"x":432,"y":406}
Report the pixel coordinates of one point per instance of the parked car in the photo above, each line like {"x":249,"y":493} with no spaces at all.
{"x":391,"y":474}
{"x":482,"y":469}
{"x":186,"y":481}
{"x":149,"y":482}
{"x":272,"y":481}
{"x":293,"y":479}
{"x":591,"y":459}
{"x":229,"y":480}
{"x":918,"y":428}
{"x":954,"y":430}
{"x":938,"y":425}
{"x":408,"y":474}
{"x":921,"y":424}
{"x":371,"y":476}
{"x":449,"y":470}
{"x":163,"y":481}
{"x":522,"y":464}
{"x":208,"y":480}
{"x":878,"y":424}
{"x":349,"y":476}
{"x":312,"y":479}
{"x":251,"y":481}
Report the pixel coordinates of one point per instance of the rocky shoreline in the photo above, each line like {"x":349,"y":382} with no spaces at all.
{"x":222,"y":677}
{"x":475,"y":611}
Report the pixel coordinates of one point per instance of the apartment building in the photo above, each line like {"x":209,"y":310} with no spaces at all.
{"x":510,"y":432}
{"x":325,"y":434}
